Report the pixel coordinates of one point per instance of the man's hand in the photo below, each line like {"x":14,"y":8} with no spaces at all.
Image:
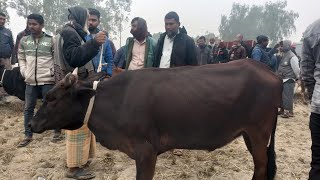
{"x":298,"y":82}
{"x":100,"y":37}
{"x":276,"y":46}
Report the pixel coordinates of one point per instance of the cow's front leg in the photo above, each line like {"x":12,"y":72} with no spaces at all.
{"x":146,"y":157}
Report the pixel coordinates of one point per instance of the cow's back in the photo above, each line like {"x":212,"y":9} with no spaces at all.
{"x":189,"y":107}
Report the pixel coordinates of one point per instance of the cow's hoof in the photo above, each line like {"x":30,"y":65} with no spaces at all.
{"x":178,"y":152}
{"x":80,"y":174}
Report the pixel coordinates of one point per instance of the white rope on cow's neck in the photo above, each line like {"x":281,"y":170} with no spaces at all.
{"x":1,"y":82}
{"x":90,"y":106}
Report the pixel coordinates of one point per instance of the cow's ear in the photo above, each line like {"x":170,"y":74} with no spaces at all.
{"x":85,"y":93}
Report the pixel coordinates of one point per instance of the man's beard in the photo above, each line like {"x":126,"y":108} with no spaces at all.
{"x":92,"y":29}
{"x":202,"y":46}
{"x":138,"y":34}
{"x":171,"y":34}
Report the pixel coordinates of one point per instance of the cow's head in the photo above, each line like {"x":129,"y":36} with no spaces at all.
{"x":65,"y":105}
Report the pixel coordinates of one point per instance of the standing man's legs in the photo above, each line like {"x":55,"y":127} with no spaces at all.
{"x":31,"y":96}
{"x":287,"y":98}
{"x":315,"y":148}
{"x":44,"y":90}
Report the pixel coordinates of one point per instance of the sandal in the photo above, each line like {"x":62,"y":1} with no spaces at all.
{"x":80,"y":174}
{"x":24,"y":142}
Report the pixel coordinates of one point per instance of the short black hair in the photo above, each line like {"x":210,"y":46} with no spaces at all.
{"x":2,"y":14}
{"x":135,"y":19}
{"x":262,"y":38}
{"x":36,"y":17}
{"x":172,"y":15}
{"x":95,"y":12}
{"x":202,"y":37}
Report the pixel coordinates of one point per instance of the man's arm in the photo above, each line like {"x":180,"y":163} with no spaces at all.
{"x":256,"y":54}
{"x":14,"y":56}
{"x":108,"y":58}
{"x":308,"y":66}
{"x":22,"y":58}
{"x":244,"y":53}
{"x":294,"y":62}
{"x":191,"y":52}
{"x":78,"y":55}
{"x":11,"y":41}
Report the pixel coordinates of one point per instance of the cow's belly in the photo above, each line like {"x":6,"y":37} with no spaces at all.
{"x":198,"y":139}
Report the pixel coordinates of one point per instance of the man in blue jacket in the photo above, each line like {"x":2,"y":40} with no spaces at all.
{"x":260,"y":53}
{"x":107,"y":58}
{"x":6,"y":43}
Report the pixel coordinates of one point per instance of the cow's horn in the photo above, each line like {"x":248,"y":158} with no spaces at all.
{"x":75,"y":71}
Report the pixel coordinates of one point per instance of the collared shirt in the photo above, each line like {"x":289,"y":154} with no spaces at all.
{"x":166,"y":52}
{"x":138,"y":53}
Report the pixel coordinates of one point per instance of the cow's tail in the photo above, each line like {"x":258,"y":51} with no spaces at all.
{"x":271,"y":166}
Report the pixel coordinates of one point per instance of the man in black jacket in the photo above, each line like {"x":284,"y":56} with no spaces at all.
{"x":175,"y":47}
{"x":72,"y":51}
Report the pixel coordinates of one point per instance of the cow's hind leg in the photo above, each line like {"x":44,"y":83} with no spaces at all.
{"x":146,"y":157}
{"x":247,"y":141}
{"x":259,"y":142}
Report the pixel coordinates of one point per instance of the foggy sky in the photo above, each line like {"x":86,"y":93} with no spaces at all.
{"x":198,"y":16}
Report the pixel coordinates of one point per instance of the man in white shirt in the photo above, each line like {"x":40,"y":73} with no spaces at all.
{"x":175,"y":47}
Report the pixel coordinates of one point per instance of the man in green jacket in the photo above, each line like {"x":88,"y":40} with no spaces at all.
{"x":35,"y":57}
{"x":139,"y":50}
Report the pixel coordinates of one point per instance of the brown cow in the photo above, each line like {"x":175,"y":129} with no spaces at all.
{"x":147,"y":112}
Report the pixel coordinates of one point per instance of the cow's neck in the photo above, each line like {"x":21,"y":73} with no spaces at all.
{"x":90,"y":105}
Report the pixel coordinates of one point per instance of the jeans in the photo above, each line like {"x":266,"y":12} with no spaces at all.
{"x":31,"y":96}
{"x":314,"y":173}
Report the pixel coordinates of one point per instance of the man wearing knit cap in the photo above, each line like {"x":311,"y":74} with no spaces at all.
{"x":288,"y":71}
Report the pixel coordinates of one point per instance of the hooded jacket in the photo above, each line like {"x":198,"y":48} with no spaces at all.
{"x":75,"y":53}
{"x":183,"y":50}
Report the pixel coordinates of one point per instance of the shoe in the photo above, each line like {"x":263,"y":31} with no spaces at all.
{"x":57,"y":137}
{"x":291,"y":114}
{"x":80,"y":173}
{"x":285,"y":114}
{"x":281,"y":111}
{"x":25,"y":142}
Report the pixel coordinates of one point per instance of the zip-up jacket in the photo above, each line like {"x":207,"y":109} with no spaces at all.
{"x":36,"y":60}
{"x":6,"y":43}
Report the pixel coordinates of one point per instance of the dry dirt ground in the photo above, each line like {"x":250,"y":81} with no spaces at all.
{"x":47,"y":160}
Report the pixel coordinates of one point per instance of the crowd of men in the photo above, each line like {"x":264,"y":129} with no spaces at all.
{"x":44,"y":60}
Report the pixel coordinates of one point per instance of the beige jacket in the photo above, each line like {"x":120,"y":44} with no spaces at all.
{"x":36,"y":60}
